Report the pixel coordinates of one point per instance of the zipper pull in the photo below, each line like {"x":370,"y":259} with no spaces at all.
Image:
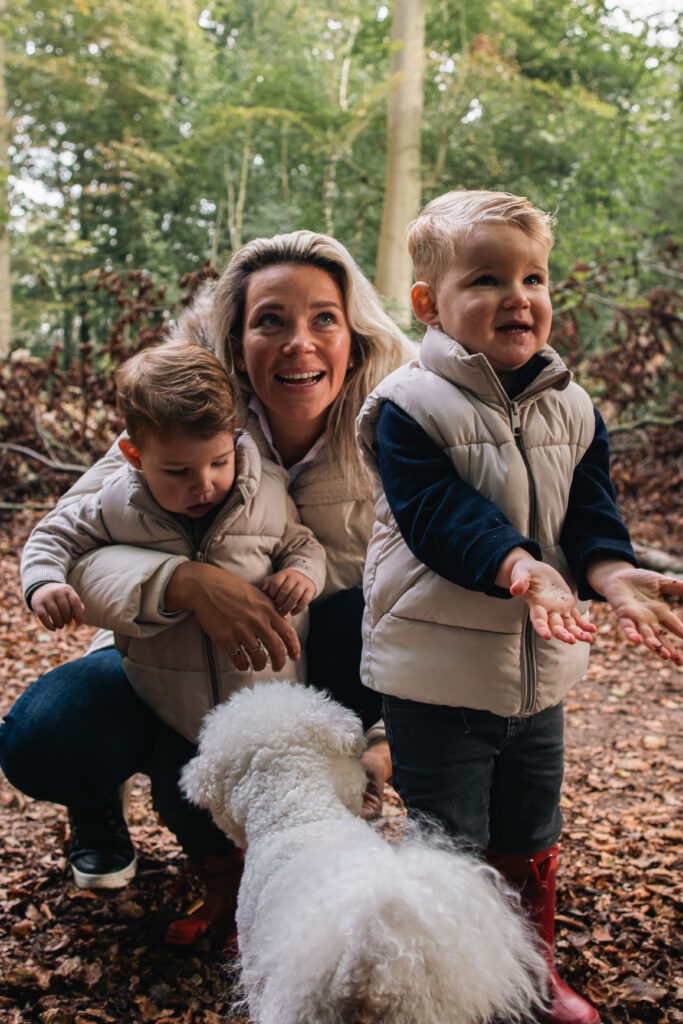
{"x":515,"y":419}
{"x":199,"y":556}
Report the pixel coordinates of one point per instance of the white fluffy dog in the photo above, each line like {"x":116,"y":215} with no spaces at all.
{"x":336,"y":924}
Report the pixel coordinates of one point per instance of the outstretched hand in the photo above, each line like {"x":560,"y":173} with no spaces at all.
{"x":637,"y":597}
{"x":552,"y":608}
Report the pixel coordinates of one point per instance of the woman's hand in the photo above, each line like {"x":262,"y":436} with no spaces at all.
{"x":237,"y":616}
{"x":637,"y":597}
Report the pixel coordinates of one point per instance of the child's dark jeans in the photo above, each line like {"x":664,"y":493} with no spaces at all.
{"x":492,"y":781}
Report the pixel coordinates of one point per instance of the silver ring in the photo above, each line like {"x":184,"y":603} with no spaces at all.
{"x":253,"y":650}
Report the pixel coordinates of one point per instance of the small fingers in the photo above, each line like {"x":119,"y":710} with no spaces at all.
{"x":45,"y":619}
{"x":656,"y":641}
{"x":671,"y":585}
{"x":539,"y":620}
{"x":560,"y":628}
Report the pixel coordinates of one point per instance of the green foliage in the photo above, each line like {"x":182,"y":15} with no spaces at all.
{"x":166,"y":132}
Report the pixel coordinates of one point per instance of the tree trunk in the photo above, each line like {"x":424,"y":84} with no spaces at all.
{"x":5,"y":285}
{"x":402,"y":189}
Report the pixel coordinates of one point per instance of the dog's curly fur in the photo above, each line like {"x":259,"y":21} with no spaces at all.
{"x":337,"y":925}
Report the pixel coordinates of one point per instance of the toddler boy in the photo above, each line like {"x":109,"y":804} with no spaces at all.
{"x":495,"y":521}
{"x":193,"y":487}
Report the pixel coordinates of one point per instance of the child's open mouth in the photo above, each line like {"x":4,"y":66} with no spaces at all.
{"x":300,"y":380}
{"x":200,"y":508}
{"x":514,"y":328}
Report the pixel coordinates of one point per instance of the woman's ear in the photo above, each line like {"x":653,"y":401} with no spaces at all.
{"x":424,"y":304}
{"x":130,"y":452}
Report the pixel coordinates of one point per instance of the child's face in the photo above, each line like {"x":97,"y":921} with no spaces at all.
{"x":186,"y":474}
{"x":494,"y":297}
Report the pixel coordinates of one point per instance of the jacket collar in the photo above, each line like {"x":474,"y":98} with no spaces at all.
{"x":473,"y":372}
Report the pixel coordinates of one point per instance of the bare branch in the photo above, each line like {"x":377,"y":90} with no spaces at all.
{"x":58,"y":467}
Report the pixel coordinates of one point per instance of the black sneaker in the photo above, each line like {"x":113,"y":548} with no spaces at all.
{"x":101,"y":853}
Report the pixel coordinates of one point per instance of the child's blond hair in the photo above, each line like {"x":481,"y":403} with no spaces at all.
{"x":174,"y":387}
{"x":441,"y":226}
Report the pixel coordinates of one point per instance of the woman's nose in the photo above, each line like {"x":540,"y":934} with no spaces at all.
{"x":300,"y":340}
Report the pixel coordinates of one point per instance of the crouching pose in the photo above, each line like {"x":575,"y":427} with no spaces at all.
{"x":495,"y":520}
{"x":336,"y":924}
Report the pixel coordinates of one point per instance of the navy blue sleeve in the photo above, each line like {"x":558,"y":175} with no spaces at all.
{"x":447,"y":524}
{"x":593,"y":527}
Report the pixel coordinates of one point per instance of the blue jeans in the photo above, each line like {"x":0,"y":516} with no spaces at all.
{"x":494,"y":782}
{"x":80,"y":731}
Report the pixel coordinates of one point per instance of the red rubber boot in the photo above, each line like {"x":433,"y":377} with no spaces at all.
{"x":221,"y":876}
{"x":534,"y":876}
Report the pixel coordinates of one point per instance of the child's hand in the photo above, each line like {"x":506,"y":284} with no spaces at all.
{"x":289,"y":590}
{"x":552,"y":608}
{"x":636,"y":595}
{"x":56,"y":605}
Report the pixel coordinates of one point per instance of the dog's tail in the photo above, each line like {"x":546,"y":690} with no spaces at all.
{"x":393,"y":934}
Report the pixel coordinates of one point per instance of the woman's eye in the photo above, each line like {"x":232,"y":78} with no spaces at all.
{"x":219,"y":462}
{"x":270,"y":320}
{"x":326,"y":319}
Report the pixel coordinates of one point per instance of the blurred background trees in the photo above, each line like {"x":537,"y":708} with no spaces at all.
{"x":156,"y":135}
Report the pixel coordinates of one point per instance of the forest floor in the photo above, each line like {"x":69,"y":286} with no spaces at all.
{"x":69,"y":956}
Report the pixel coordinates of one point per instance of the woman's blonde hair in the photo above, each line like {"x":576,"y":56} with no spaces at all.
{"x":378,"y":346}
{"x":435,"y":235}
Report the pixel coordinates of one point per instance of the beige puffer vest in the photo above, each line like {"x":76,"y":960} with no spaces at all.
{"x":426,"y":638}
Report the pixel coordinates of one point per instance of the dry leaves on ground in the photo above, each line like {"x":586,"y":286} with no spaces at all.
{"x":73,"y":957}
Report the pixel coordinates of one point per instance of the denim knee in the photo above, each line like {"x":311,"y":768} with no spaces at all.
{"x":76,"y":733}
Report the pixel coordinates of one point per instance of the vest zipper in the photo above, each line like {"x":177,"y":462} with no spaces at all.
{"x":210,"y":650}
{"x":528,"y":639}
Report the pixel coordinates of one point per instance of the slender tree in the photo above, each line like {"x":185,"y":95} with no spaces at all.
{"x":5,"y":287}
{"x":403,"y":180}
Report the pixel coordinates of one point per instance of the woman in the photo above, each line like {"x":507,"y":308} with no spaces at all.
{"x":306,"y":338}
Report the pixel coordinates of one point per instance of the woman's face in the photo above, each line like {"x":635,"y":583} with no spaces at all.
{"x":295,"y":347}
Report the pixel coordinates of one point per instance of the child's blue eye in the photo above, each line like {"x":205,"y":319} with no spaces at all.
{"x":533,"y":279}
{"x":485,"y":279}
{"x":175,"y":472}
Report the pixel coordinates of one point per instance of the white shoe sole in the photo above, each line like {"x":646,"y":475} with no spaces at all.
{"x":112,"y":880}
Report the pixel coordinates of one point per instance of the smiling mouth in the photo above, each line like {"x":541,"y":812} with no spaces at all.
{"x":514,"y":328}
{"x":300,"y":379}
